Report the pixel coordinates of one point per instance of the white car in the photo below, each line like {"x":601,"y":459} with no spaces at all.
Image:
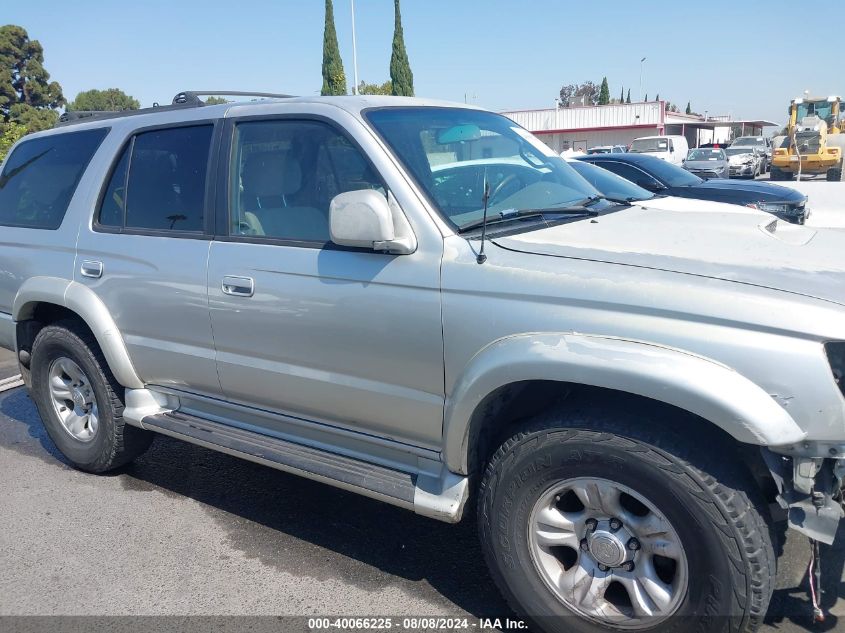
{"x":672,"y":149}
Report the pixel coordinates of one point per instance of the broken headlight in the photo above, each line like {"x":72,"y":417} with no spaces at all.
{"x":836,"y":358}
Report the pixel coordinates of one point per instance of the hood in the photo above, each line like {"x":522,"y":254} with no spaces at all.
{"x":739,"y":159}
{"x":764,"y":190}
{"x":737,"y":245}
{"x":705,"y":165}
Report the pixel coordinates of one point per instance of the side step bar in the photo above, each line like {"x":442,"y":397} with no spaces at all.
{"x":441,"y":497}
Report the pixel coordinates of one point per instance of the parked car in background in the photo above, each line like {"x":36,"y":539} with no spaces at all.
{"x":763,"y":144}
{"x":607,"y":149}
{"x":672,"y":149}
{"x":661,"y":177}
{"x":745,"y":162}
{"x":707,"y":163}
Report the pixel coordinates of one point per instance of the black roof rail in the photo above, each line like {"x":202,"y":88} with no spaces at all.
{"x":193,"y":96}
{"x":186,"y":99}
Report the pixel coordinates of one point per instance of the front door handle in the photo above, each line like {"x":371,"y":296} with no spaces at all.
{"x":90,"y":268}
{"x":238,"y":286}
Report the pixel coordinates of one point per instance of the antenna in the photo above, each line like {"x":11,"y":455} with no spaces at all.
{"x":481,"y":256}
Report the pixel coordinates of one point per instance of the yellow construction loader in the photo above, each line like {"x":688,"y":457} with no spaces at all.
{"x":815,"y":141}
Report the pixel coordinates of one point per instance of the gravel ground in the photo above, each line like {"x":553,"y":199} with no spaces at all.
{"x":187,"y":531}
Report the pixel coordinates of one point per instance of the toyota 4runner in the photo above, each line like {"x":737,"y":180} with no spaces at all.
{"x":422,"y":303}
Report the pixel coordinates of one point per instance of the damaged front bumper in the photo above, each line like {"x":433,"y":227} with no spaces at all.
{"x":809,"y":477}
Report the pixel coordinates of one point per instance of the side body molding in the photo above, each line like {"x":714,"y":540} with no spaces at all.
{"x":84,"y":302}
{"x":696,"y":384}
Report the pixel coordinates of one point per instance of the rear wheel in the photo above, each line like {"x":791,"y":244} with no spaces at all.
{"x":80,"y":402}
{"x":591,"y":523}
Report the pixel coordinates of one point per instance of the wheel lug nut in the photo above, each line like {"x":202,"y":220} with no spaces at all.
{"x":615,"y":524}
{"x":585,"y":546}
{"x":633,"y":545}
{"x":603,"y":567}
{"x":592,"y":524}
{"x":629,"y":566}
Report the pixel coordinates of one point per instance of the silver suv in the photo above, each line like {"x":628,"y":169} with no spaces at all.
{"x":422,"y":303}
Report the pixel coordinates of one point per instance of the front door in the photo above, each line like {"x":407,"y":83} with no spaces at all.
{"x":345,"y":337}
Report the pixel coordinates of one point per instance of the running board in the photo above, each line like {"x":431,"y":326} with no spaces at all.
{"x":440,"y":497}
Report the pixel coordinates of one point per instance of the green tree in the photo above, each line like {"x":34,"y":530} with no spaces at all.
{"x":689,"y":108}
{"x":215,"y":100}
{"x":646,"y":97}
{"x":27,"y":96}
{"x":334,"y":79}
{"x":657,"y":98}
{"x":375,"y":89}
{"x":604,"y":92}
{"x":110,"y":100}
{"x":401,"y":77}
{"x":628,"y":98}
{"x":622,"y":95}
{"x":9,"y":135}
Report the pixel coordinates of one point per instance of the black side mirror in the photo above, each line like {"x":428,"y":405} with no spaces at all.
{"x":650,"y":185}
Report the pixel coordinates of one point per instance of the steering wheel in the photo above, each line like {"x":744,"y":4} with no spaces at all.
{"x":507,"y":180}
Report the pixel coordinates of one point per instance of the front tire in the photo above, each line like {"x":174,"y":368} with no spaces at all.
{"x":704,"y":549}
{"x":80,"y":401}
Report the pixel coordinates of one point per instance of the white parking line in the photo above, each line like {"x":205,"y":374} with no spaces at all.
{"x":10,"y":383}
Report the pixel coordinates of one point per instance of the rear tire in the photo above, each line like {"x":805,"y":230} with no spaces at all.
{"x":80,"y":401}
{"x":709,"y":501}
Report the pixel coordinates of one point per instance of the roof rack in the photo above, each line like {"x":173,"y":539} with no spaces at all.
{"x":185,"y":99}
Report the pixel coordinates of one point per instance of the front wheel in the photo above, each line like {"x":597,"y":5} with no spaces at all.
{"x":596,"y":524}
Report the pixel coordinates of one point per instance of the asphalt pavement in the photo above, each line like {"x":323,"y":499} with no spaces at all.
{"x":188,"y":531}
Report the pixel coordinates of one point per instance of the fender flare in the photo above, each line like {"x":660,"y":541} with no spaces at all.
{"x":694,"y":383}
{"x":84,"y":302}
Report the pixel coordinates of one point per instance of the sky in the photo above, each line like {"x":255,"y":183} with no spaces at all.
{"x":723,"y":57}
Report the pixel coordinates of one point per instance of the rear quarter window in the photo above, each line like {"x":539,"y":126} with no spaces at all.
{"x":41,"y":175}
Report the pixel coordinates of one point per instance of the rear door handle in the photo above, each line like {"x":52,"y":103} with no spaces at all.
{"x":91,"y":269}
{"x":238,"y":286}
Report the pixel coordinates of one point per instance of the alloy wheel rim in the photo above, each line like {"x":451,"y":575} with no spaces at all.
{"x":73,"y":399}
{"x":608,"y":553}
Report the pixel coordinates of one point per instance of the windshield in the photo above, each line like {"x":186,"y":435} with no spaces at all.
{"x":451,"y":152}
{"x":706,"y":154}
{"x":671,"y":175}
{"x":749,"y":141}
{"x":609,"y":184}
{"x":821,"y":109}
{"x":736,"y":151}
{"x":641,"y":145}
{"x":599,"y":150}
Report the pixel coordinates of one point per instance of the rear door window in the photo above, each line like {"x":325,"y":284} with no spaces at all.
{"x":41,"y":175}
{"x":159,"y":182}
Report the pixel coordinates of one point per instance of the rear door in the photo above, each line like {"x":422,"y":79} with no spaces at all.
{"x":339,"y":336}
{"x":145,"y":251}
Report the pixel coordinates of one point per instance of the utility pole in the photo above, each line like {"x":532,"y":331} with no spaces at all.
{"x":641,"y":77}
{"x":354,"y":51}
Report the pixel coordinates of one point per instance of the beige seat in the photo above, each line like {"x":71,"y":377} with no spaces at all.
{"x":269,"y":179}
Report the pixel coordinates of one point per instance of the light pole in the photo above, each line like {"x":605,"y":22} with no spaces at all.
{"x":354,"y":50}
{"x":641,"y":78}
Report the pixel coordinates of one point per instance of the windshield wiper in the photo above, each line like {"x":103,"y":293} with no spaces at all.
{"x":579,"y":210}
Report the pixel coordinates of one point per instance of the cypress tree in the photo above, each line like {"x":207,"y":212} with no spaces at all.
{"x":604,"y":92}
{"x":628,"y":98}
{"x":400,"y":68}
{"x":689,"y":109}
{"x":646,"y":97}
{"x":334,"y":79}
{"x":622,"y":95}
{"x":657,"y":98}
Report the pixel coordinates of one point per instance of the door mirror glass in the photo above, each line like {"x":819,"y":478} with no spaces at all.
{"x":361,"y":219}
